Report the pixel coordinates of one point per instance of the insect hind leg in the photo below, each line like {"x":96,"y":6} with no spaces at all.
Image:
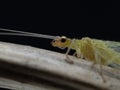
{"x":101,"y":73}
{"x":98,"y":61}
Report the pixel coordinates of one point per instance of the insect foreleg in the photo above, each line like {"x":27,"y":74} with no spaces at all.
{"x":67,"y":52}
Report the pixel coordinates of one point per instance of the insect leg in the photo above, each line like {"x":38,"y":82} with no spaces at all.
{"x":75,"y":54}
{"x":98,"y":61}
{"x":101,"y":73}
{"x":67,"y":52}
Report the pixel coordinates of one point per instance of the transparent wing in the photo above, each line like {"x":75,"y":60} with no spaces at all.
{"x":114,"y":45}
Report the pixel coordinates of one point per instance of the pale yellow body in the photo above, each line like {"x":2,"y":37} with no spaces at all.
{"x":94,"y":50}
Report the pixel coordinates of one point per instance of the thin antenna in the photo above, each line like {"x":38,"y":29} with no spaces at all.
{"x":22,"y":33}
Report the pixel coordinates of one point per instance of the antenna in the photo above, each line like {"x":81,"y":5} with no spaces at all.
{"x":23,"y":33}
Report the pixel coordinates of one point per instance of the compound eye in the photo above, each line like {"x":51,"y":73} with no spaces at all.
{"x":63,"y":40}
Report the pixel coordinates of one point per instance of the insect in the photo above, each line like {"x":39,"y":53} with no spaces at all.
{"x":98,"y":51}
{"x":95,"y":50}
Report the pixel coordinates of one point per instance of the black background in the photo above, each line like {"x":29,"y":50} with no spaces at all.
{"x":72,"y":19}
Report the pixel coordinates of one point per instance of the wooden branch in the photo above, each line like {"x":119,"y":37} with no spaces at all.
{"x":35,"y":69}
